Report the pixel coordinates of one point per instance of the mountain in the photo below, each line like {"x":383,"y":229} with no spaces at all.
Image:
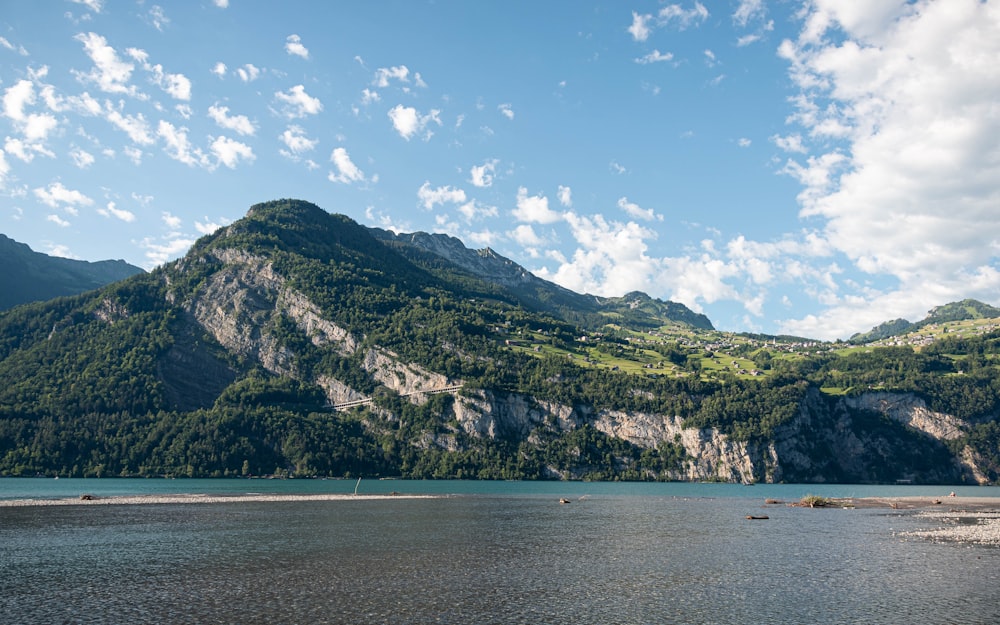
{"x":297,"y":342}
{"x":965,"y":310}
{"x":436,"y":251}
{"x":31,"y":276}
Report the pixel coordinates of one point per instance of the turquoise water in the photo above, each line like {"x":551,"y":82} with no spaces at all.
{"x":494,"y":552}
{"x":47,"y":488}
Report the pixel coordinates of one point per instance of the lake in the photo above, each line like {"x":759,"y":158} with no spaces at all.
{"x":482,"y":552}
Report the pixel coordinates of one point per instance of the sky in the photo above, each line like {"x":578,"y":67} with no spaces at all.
{"x":807,"y":167}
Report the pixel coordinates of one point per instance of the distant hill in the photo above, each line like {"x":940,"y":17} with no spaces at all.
{"x":30,"y":276}
{"x":956,"y":311}
{"x":297,"y":342}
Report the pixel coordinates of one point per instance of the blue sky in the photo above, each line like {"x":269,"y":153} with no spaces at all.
{"x":805,"y":167}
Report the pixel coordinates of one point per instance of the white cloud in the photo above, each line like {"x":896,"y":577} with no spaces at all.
{"x":177,"y":86}
{"x":565,"y":196}
{"x":506,"y":110}
{"x":789,"y":143}
{"x":441,"y":195}
{"x":237,"y":123}
{"x":178,"y":147}
{"x":7,"y":44}
{"x":110,"y":73}
{"x":640,"y":26}
{"x":482,"y":175}
{"x":749,"y":10}
{"x":222,"y":4}
{"x":118,"y":213}
{"x":134,"y":126}
{"x":229,"y":152}
{"x":173,"y":245}
{"x":219,"y":69}
{"x":408,"y":122}
{"x":368,"y":96}
{"x":473,"y":210}
{"x":172,"y":221}
{"x":903,"y":95}
{"x":636,"y":212}
{"x":298,"y":103}
{"x":93,"y":5}
{"x":345,"y":171}
{"x":293,"y":45}
{"x":654,"y":57}
{"x":534,"y":209}
{"x":81,"y":158}
{"x":57,"y":220}
{"x":4,"y":171}
{"x":683,"y":18}
{"x":157,"y":17}
{"x":743,"y":142}
{"x":526,"y":236}
{"x":34,"y":126}
{"x":207,"y":227}
{"x":56,"y":194}
{"x":297,"y":142}
{"x":248,"y":73}
{"x":384,"y":74}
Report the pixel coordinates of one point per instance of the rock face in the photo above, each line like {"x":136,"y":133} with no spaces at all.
{"x":823,"y":441}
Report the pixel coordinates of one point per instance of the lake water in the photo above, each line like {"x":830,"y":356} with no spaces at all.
{"x":487,"y":552}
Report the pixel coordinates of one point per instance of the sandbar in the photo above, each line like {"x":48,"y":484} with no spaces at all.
{"x":195,"y":498}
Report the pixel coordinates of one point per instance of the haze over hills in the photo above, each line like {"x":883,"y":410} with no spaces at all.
{"x":298,"y":342}
{"x":30,"y":276}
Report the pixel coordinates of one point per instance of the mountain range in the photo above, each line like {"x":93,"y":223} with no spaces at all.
{"x":296,"y":342}
{"x":31,"y":276}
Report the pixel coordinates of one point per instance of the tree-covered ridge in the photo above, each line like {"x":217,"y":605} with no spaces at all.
{"x":130,"y":380}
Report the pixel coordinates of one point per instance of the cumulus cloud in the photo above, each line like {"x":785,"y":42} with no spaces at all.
{"x":35,"y":127}
{"x":237,"y":123}
{"x":178,"y":147}
{"x":59,"y":221}
{"x":408,"y":121}
{"x":430,"y":197}
{"x":670,"y":15}
{"x":297,"y":103}
{"x":506,"y":110}
{"x":295,"y":139}
{"x":383,"y":75}
{"x":534,"y":208}
{"x":110,"y":73}
{"x":248,"y":73}
{"x":902,"y":96}
{"x":293,"y":46}
{"x":56,"y":195}
{"x":640,"y":26}
{"x":565,"y":196}
{"x":229,"y":152}
{"x":219,"y":69}
{"x":473,"y":210}
{"x":344,"y":170}
{"x":135,"y":126}
{"x":118,"y":213}
{"x":637,"y":212}
{"x":81,"y":158}
{"x":482,"y":175}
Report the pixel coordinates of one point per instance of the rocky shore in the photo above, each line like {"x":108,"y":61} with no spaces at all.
{"x":969,"y":520}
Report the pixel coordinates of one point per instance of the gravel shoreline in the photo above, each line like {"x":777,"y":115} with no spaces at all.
{"x":89,"y":500}
{"x":966,"y":520}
